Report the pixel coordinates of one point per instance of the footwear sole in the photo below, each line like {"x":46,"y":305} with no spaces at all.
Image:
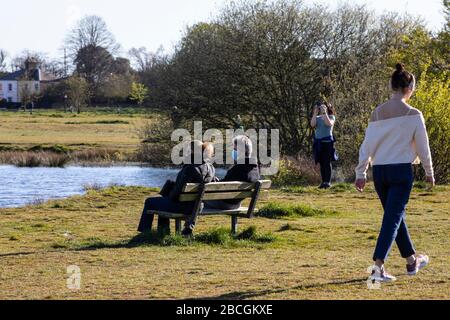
{"x":382,"y":279}
{"x":413,"y":273}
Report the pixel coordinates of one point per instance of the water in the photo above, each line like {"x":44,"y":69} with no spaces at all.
{"x":21,"y":186}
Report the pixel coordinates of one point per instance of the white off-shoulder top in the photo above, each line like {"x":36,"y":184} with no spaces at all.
{"x":396,"y":140}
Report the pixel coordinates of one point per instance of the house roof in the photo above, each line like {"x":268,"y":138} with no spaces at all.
{"x":22,"y":75}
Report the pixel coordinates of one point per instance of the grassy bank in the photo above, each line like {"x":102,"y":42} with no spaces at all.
{"x":305,"y":244}
{"x":54,"y":137}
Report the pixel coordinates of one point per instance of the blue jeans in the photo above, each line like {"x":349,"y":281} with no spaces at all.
{"x":393,"y":184}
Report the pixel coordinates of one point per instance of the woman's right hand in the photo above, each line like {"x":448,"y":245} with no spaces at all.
{"x":316,"y":111}
{"x":430,"y":181}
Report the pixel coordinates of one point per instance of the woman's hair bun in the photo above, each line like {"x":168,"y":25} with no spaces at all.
{"x":400,"y":67}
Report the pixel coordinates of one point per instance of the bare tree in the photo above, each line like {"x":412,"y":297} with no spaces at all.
{"x":18,"y":61}
{"x":144,"y":60}
{"x":3,"y":57}
{"x":91,"y":31}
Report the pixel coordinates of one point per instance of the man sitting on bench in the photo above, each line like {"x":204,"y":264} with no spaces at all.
{"x":245,"y":170}
{"x":190,"y":173}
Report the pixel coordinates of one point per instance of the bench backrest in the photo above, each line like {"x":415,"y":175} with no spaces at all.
{"x":225,"y":190}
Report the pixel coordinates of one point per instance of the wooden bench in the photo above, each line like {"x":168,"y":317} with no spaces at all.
{"x":219,"y":191}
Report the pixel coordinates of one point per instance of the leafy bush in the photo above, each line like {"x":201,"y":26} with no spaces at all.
{"x":432,"y":98}
{"x":296,"y":171}
{"x":156,"y":145}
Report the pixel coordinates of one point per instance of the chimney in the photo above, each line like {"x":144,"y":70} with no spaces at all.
{"x":31,"y":64}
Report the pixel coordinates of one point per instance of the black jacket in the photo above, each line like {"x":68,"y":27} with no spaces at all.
{"x":243,"y":173}
{"x":192,"y":173}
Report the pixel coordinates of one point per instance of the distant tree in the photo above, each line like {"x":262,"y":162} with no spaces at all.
{"x":116,"y":86}
{"x":90,"y":31}
{"x":144,"y":60}
{"x":138,"y":93}
{"x":77,"y":92}
{"x":18,"y":61}
{"x":432,"y":98}
{"x":56,"y":68}
{"x":3,"y":57}
{"x":28,"y":97}
{"x":94,"y":64}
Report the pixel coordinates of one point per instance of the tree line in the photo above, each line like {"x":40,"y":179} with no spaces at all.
{"x":268,"y":62}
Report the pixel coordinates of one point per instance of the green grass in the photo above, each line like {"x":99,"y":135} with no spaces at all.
{"x":305,"y":253}
{"x":106,"y":128}
{"x":275,"y":210}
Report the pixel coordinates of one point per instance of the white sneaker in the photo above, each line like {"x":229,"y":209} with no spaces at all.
{"x":380,"y":275}
{"x":420,"y":263}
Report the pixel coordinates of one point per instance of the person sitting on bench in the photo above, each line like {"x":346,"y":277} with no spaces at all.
{"x":191,"y":172}
{"x":245,"y":170}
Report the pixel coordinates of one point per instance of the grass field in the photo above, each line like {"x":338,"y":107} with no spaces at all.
{"x":91,"y":129}
{"x":311,"y":254}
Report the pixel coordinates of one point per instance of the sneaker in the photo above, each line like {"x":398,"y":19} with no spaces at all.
{"x":420,"y":263}
{"x":325,"y":186}
{"x":381,"y":275}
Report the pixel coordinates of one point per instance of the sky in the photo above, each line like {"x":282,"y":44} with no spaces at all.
{"x":41,"y":25}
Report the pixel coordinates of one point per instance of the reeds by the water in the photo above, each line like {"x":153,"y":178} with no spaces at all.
{"x":34,"y":159}
{"x":59,"y":159}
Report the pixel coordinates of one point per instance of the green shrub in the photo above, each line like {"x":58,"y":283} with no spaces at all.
{"x":276,"y":210}
{"x":296,"y":171}
{"x":220,"y":236}
{"x":432,"y":98}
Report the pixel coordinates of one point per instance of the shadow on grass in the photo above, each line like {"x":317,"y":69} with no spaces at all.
{"x":241,"y":295}
{"x":220,"y":236}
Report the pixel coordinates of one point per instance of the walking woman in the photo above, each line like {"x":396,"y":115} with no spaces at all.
{"x":395,"y":138}
{"x":323,"y":121}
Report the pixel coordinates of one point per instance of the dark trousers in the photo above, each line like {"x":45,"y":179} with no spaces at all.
{"x":161,"y":204}
{"x":325,"y":158}
{"x":222,"y":205}
{"x":211,"y":204}
{"x":393,"y":184}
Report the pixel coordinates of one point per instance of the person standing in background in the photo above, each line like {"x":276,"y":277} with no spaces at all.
{"x":323,"y":120}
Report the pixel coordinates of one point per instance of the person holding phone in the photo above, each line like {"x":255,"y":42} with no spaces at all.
{"x":323,"y":120}
{"x":395,"y":139}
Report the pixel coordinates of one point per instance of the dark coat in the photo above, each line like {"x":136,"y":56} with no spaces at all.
{"x":192,"y":173}
{"x":244,"y":173}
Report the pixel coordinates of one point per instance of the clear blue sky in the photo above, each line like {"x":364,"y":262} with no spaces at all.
{"x":41,"y":25}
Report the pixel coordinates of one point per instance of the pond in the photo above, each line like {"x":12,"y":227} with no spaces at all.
{"x":22,"y":186}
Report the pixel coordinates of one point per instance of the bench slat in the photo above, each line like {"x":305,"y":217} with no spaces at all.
{"x":205,"y":212}
{"x":223,"y":195}
{"x":226,"y":186}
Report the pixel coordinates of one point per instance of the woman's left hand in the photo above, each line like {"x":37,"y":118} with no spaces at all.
{"x":323,"y":109}
{"x":360,"y":184}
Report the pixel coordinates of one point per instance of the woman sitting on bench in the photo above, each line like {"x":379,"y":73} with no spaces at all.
{"x":245,"y":170}
{"x":190,"y":173}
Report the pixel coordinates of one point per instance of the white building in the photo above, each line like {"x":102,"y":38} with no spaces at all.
{"x":26,"y":81}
